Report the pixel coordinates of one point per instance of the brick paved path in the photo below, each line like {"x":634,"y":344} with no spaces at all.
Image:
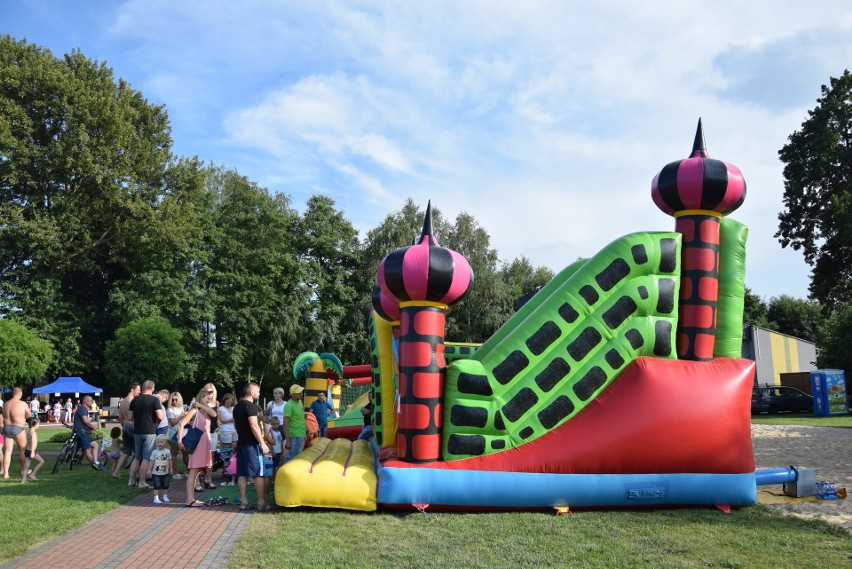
{"x":141,"y":534}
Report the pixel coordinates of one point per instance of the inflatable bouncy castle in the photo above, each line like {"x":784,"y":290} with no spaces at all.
{"x":619,"y":384}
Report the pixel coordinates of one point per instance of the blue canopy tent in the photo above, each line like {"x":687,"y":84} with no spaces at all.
{"x":68,"y":385}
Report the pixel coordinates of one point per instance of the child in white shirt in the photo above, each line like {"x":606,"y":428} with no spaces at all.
{"x":161,"y":469}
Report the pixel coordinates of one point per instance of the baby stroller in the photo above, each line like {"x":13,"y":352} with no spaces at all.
{"x":222,"y":459}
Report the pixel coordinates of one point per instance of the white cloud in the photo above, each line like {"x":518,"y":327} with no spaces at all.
{"x":546,"y":120}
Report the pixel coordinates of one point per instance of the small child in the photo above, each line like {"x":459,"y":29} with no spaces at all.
{"x":275,"y":440}
{"x":270,"y":461}
{"x":115,"y":447}
{"x":161,"y":469}
{"x":30,"y":453}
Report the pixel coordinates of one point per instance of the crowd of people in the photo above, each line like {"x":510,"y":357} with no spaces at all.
{"x":20,"y":421}
{"x":157,"y":428}
{"x":59,"y":411}
{"x":257,"y":440}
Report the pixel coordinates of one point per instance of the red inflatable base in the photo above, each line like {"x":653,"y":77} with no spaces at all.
{"x":657,"y":416}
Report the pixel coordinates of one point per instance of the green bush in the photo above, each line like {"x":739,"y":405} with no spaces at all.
{"x":62,"y":435}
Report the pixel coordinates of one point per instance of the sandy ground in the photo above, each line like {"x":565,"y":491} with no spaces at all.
{"x":826,"y":450}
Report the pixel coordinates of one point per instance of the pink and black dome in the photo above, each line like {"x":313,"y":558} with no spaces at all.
{"x":386,"y":308}
{"x":425,"y":271}
{"x":699,"y":183}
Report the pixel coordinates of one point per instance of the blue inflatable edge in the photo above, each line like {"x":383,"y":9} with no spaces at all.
{"x":486,"y":489}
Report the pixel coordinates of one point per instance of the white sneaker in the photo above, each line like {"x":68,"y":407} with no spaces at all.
{"x":165,"y":499}
{"x":157,"y":501}
{"x":177,"y":477}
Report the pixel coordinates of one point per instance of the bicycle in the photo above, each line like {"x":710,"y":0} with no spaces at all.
{"x":71,"y":452}
{"x":103,"y":453}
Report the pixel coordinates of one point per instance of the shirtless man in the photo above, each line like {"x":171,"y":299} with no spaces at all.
{"x":15,"y":415}
{"x":125,"y":417}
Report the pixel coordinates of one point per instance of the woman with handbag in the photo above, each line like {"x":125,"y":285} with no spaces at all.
{"x":200,"y":457}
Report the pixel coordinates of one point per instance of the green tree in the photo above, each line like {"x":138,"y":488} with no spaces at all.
{"x":487,"y":304}
{"x":144,"y":349}
{"x":834,"y":352}
{"x":523,"y":279}
{"x":796,"y":317}
{"x":24,"y":357}
{"x":817,"y":215}
{"x":256,"y":283}
{"x":90,"y":196}
{"x":170,"y":283}
{"x":340,"y":299}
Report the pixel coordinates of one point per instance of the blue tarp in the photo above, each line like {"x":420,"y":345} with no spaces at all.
{"x":68,"y":385}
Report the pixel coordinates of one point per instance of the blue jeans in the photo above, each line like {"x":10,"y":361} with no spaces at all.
{"x":297,"y":445}
{"x":366,"y":433}
{"x":144,"y":446}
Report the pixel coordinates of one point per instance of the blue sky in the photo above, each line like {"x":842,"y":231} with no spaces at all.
{"x":545,"y":121}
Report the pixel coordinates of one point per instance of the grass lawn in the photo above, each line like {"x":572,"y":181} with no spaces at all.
{"x":806,"y":419}
{"x":39,"y":511}
{"x":749,"y":537}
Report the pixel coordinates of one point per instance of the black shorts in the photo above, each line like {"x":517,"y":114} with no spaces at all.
{"x":127,"y":440}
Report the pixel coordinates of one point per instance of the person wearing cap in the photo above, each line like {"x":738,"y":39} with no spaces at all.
{"x":294,"y":423}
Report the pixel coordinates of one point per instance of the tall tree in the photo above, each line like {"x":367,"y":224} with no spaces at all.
{"x":340,"y":299}
{"x":817,"y":215}
{"x":170,"y":282}
{"x":487,"y":305}
{"x":256,"y":283}
{"x":87,"y":182}
{"x":834,"y":349}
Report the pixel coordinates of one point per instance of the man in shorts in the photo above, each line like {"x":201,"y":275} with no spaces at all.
{"x":84,"y":427}
{"x":15,"y":415}
{"x":250,"y":447}
{"x":147,"y":414}
{"x":125,"y":417}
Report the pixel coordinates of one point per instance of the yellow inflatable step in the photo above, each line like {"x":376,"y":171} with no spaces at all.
{"x":329,"y":474}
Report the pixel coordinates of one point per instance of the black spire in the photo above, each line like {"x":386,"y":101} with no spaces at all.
{"x":699,"y":147}
{"x":427,"y":227}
